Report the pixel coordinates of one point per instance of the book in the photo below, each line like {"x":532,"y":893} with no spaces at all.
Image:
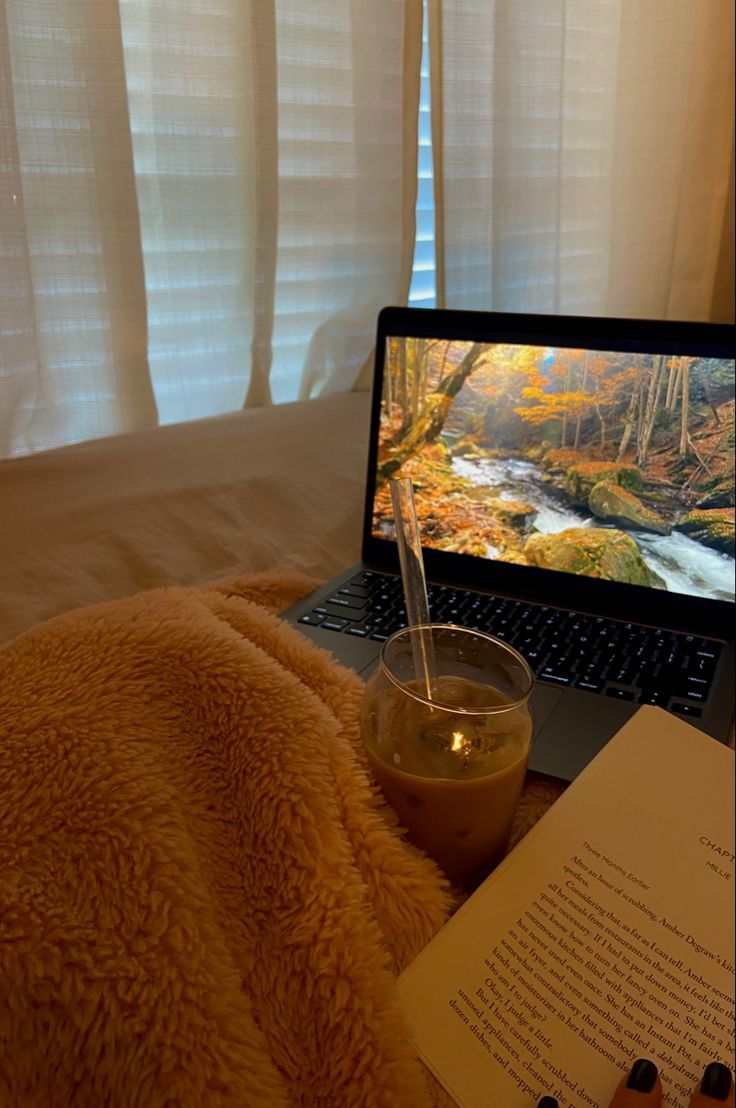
{"x":605,"y":936}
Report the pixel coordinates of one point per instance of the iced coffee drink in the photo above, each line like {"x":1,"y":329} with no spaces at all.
{"x":452,"y":766}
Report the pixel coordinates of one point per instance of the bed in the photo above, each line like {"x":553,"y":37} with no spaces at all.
{"x":181,"y":505}
{"x":184,"y":505}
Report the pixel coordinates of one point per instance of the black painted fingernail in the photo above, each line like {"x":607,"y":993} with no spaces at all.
{"x":642,"y":1076}
{"x":716,"y":1081}
{"x":548,"y":1102}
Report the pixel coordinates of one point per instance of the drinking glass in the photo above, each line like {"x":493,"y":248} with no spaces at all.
{"x":452,"y":764}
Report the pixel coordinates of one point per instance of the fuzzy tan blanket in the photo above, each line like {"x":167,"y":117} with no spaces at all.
{"x":203,"y":900}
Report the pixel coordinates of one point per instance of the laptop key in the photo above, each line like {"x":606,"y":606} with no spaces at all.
{"x":558,"y":677}
{"x":686,"y":709}
{"x":351,"y":615}
{"x":355,"y":590}
{"x":379,"y":636}
{"x":698,"y":693}
{"x":360,"y":630}
{"x":312,"y":618}
{"x":659,"y":697}
{"x":589,"y":684}
{"x":366,"y":578}
{"x":675,"y":656}
{"x":702,"y":665}
{"x":347,"y":601}
{"x":380,"y":607}
{"x":331,"y":624}
{"x":620,"y":694}
{"x":593,"y":677}
{"x":646,"y":678}
{"x":621,"y":674}
{"x":534,"y":655}
{"x":642,"y":656}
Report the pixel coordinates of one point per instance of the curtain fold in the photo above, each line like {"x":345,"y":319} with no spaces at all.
{"x":72,"y":299}
{"x":348,"y":172}
{"x":204,"y":205}
{"x":264,"y":67}
{"x":189,"y":84}
{"x":585,"y":149}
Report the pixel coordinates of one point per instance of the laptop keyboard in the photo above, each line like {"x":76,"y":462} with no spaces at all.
{"x":621,"y":660}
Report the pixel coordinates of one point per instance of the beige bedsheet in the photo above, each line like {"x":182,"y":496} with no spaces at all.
{"x":182,"y":505}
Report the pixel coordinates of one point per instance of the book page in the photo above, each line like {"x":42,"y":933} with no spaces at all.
{"x":607,"y":935}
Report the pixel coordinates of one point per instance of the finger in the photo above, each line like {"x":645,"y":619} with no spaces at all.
{"x":640,"y":1089}
{"x":716,"y":1088}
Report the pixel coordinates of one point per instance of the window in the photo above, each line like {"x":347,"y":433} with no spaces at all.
{"x":423,"y":292}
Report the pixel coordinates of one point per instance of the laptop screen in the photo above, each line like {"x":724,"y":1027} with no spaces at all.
{"x":594,"y":462}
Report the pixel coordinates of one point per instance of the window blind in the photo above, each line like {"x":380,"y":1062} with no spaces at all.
{"x":422,"y":293}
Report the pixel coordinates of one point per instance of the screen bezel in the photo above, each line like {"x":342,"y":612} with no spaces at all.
{"x":629,"y":602}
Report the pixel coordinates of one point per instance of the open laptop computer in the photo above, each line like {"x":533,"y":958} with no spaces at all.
{"x":574,"y":486}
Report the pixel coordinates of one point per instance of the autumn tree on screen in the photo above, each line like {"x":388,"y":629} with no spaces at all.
{"x":423,"y":422}
{"x":632,"y":412}
{"x":501,"y":377}
{"x":576,"y":386}
{"x":609,"y":383}
{"x":418,"y":365}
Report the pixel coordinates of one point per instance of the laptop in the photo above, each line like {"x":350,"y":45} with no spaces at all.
{"x":575,"y":494}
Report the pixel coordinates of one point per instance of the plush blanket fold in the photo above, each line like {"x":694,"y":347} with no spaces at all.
{"x":203,"y":901}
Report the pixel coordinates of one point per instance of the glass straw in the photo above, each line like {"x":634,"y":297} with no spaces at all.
{"x":415,"y":585}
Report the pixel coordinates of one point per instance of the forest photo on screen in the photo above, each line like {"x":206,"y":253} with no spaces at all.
{"x":613,"y":465}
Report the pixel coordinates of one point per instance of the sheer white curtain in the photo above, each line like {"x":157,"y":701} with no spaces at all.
{"x":582,"y":154}
{"x":202,"y":204}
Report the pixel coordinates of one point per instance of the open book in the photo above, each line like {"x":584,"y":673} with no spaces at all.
{"x":605,"y":936}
